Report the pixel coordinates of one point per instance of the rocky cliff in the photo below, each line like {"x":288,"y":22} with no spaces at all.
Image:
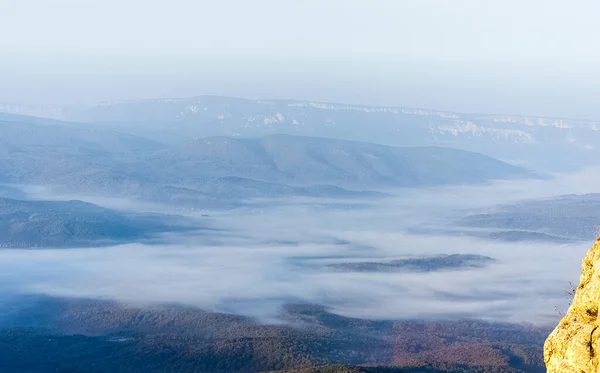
{"x":574,"y":346}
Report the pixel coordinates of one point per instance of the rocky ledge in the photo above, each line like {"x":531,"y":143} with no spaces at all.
{"x":574,"y":346}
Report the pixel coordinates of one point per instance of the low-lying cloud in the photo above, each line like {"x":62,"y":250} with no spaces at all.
{"x":259,"y":262}
{"x":268,"y":253}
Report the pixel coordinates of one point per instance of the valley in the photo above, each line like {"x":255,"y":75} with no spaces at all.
{"x":263,"y":248}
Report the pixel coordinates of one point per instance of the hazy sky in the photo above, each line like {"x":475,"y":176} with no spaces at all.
{"x":534,"y":56}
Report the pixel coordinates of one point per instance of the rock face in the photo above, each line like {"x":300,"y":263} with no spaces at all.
{"x":574,"y":346}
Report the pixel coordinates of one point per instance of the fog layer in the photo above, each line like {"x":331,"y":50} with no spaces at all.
{"x":273,"y":252}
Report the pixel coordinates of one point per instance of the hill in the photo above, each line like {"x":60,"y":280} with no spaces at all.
{"x":452,"y":262}
{"x":570,"y":217}
{"x":25,"y":224}
{"x":309,"y":160}
{"x":48,"y":334}
{"x":417,"y":368}
{"x":22,"y":132}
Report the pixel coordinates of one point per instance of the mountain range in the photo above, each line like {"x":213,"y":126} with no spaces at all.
{"x":74,"y":157}
{"x":529,"y":140}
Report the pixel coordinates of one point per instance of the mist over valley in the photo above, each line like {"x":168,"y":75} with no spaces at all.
{"x":263,"y":238}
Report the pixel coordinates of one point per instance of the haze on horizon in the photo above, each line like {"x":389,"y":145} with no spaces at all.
{"x":535,"y":57}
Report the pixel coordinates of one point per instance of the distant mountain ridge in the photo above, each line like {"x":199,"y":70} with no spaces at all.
{"x":216,"y":170}
{"x":191,"y":108}
{"x":41,"y":111}
{"x":528,"y":139}
{"x":17,"y":131}
{"x":306,"y":160}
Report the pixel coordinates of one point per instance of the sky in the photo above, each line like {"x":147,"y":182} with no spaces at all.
{"x":525,"y":57}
